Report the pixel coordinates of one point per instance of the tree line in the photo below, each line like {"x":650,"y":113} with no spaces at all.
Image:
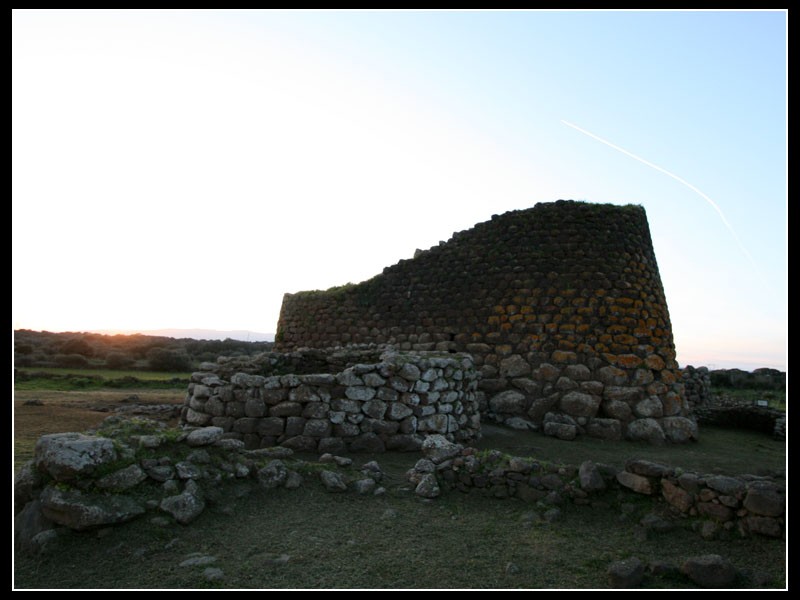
{"x":123,"y":352}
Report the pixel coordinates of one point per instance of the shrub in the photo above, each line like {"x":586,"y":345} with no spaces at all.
{"x":164,"y":359}
{"x":118,"y":360}
{"x":76,"y":346}
{"x":72,"y":361}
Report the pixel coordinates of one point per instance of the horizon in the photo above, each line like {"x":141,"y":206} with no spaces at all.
{"x":195,"y":333}
{"x":171,"y":168}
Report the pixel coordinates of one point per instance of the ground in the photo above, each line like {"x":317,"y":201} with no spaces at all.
{"x":309,"y":538}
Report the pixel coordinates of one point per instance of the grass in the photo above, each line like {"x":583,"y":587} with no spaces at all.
{"x":56,"y":378}
{"x":350,"y":541}
{"x":393,"y":541}
{"x":776,"y":399}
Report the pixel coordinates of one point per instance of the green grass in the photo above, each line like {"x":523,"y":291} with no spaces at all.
{"x":108,"y":373}
{"x":67,"y":379}
{"x":776,"y":398}
{"x":349,"y":541}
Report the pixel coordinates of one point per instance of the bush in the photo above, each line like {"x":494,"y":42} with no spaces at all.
{"x":164,"y":359}
{"x":76,"y":346}
{"x":72,"y":361}
{"x":118,"y":360}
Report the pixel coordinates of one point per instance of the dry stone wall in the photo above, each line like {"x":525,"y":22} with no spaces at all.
{"x":561,"y":306}
{"x":389,"y":404}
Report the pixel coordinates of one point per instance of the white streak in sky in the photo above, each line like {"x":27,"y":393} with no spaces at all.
{"x":675,"y":177}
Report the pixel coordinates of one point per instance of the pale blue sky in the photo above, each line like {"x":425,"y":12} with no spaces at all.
{"x":185,"y":169}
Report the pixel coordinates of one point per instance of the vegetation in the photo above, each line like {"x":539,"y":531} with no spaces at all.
{"x":38,"y":349}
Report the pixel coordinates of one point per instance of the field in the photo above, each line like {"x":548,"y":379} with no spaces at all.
{"x":309,"y":538}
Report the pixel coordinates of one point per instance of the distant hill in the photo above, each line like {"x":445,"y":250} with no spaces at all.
{"x":200,"y":334}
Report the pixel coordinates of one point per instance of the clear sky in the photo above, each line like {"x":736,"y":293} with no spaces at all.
{"x":184,"y":169}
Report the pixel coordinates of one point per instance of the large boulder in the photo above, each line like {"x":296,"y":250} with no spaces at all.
{"x":710,"y":571}
{"x":204,"y":436}
{"x":627,"y":573}
{"x":646,"y":430}
{"x":66,"y":456}
{"x":508,"y":402}
{"x":81,"y":510}
{"x":679,"y":429}
{"x":438,"y":448}
{"x":186,"y":506}
{"x":579,"y":404}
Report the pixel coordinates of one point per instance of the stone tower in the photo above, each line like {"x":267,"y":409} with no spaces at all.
{"x":561,"y":306}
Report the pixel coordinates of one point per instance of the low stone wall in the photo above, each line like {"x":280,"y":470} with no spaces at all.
{"x":389,"y":404}
{"x":749,"y":504}
{"x":131,"y":468}
{"x":723,"y":411}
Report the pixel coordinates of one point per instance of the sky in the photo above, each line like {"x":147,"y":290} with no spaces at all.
{"x":185,"y":169}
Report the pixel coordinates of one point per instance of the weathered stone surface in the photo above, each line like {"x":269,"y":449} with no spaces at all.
{"x":676,"y":496}
{"x":122,"y":479}
{"x":764,"y":526}
{"x":648,"y":468}
{"x":725,"y":485}
{"x":409,"y":371}
{"x":646,"y":430}
{"x":66,"y":456}
{"x":627,"y":573}
{"x":679,"y":429}
{"x":577,"y":372}
{"x":710,"y":571}
{"x":375,"y":409}
{"x":428,"y":486}
{"x":541,"y":406}
{"x":605,"y":429}
{"x":205,"y":436}
{"x":301,"y":443}
{"x":546,"y":372}
{"x":184,"y":507}
{"x":26,"y":484}
{"x":612,"y":376}
{"x":590,"y":478}
{"x":520,"y":424}
{"x":648,"y":407}
{"x":508,"y":402}
{"x":398,"y":411}
{"x":364,"y":486}
{"x":579,"y":404}
{"x":765,"y":499}
{"x":28,"y":523}
{"x":318,"y":428}
{"x":272,"y":475}
{"x":360,"y":393}
{"x":526,"y":385}
{"x":293,"y":480}
{"x":194,"y":417}
{"x":514,"y":366}
{"x":438,"y":448}
{"x":565,"y":384}
{"x":718,"y":512}
{"x":637,"y":483}
{"x":78,"y":510}
{"x":562,"y":431}
{"x":617,"y":409}
{"x":333,"y":481}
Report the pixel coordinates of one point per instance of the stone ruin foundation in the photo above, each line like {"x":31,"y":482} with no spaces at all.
{"x":356,"y":400}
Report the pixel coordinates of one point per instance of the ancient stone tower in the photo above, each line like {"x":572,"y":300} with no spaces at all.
{"x":561,"y":306}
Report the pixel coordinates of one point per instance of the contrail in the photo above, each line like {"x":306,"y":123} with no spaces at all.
{"x":675,"y":177}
